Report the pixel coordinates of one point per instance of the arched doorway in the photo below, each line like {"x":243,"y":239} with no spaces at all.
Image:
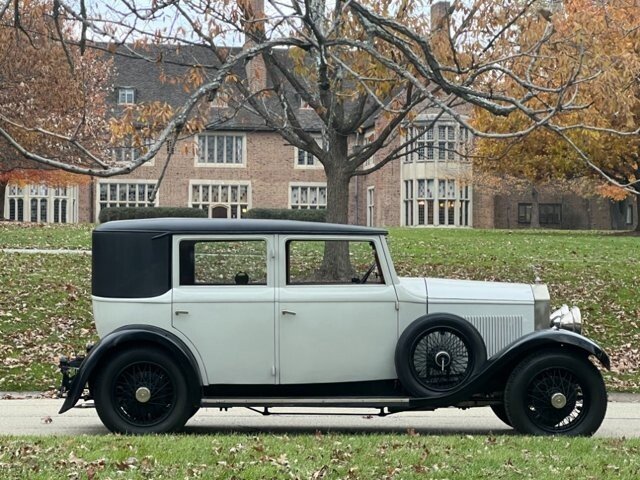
{"x":219,"y":212}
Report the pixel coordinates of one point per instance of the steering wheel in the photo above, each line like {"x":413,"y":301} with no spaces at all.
{"x":368,"y":273}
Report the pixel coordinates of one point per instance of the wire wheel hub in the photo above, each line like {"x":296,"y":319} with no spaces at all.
{"x":143,"y":394}
{"x":443,"y":359}
{"x":558,"y":400}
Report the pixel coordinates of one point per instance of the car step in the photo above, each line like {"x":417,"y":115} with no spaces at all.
{"x":337,"y":402}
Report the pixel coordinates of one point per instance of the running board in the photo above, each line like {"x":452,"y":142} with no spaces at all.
{"x":336,"y":402}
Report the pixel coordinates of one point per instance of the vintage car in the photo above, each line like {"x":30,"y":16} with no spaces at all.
{"x":261,"y":313}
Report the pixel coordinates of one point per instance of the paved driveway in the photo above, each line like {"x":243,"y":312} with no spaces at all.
{"x":39,"y":417}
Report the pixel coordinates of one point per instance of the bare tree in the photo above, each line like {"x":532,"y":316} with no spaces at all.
{"x":352,"y":64}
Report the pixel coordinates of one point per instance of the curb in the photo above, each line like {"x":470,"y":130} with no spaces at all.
{"x":624,"y":397}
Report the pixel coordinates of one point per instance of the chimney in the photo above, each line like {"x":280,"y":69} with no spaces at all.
{"x":440,"y":18}
{"x":253,"y":11}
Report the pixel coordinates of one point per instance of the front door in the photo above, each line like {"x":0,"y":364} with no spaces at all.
{"x":219,"y":212}
{"x":223,"y":302}
{"x":337,"y":317}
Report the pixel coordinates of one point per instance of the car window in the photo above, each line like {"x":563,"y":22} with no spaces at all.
{"x":319,"y":262}
{"x":242,"y":262}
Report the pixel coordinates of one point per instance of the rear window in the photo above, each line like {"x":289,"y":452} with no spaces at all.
{"x":222,"y":262}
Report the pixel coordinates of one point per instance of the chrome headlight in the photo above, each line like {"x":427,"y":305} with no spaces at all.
{"x":567,"y":319}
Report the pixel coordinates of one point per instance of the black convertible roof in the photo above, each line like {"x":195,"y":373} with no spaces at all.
{"x":233,"y":226}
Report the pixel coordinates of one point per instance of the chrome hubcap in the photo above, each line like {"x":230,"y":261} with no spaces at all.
{"x":143,"y":394}
{"x":443,"y":359}
{"x":558,"y":400}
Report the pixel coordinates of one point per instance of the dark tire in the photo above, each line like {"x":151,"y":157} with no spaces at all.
{"x":501,"y":413}
{"x":438,"y":353}
{"x":120,"y":393}
{"x":556,"y":393}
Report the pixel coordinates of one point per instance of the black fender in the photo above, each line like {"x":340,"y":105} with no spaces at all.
{"x":136,"y":334}
{"x":508,"y":357}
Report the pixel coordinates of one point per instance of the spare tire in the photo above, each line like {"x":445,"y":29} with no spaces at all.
{"x":438,"y":353}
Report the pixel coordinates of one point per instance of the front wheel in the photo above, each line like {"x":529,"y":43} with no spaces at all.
{"x":556,"y":393}
{"x":142,"y":391}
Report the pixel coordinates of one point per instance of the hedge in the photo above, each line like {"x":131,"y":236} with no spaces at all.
{"x":306,"y":215}
{"x":126,"y":213}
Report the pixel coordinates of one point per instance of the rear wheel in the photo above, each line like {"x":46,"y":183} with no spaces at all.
{"x":555,"y":393}
{"x":142,"y":391}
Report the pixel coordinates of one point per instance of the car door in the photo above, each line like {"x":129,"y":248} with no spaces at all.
{"x":332,"y":325}
{"x":223,"y":302}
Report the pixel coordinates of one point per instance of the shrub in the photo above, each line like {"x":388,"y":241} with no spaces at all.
{"x":127,"y":213}
{"x":286,"y":214}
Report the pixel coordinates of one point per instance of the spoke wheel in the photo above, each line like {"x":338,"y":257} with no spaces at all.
{"x":142,"y":391}
{"x":144,"y":394}
{"x":441,"y":359}
{"x":555,"y":400}
{"x":556,"y":393}
{"x":438,"y":354}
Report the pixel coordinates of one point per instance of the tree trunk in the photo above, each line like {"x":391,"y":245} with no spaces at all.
{"x":336,"y":263}
{"x":338,"y":178}
{"x":3,"y":190}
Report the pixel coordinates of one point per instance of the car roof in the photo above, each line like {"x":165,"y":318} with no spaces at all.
{"x":234,"y":226}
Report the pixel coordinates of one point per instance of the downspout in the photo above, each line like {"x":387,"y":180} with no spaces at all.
{"x":357,"y":222}
{"x":92,"y":208}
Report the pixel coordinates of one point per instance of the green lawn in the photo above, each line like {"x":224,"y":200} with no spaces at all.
{"x":45,"y":299}
{"x":318,"y":457}
{"x":45,"y":235}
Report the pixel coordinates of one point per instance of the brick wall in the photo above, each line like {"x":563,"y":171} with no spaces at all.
{"x":270,"y":168}
{"x":483,"y":208}
{"x":576,"y":212}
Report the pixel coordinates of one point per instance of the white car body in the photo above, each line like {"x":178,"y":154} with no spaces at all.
{"x":341,"y":350}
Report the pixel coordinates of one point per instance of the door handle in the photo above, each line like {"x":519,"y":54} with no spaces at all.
{"x":288,"y":312}
{"x":181,"y":312}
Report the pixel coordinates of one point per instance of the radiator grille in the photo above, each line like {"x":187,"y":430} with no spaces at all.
{"x":498,"y":331}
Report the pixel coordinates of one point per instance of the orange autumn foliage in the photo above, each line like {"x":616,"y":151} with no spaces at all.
{"x":609,"y":35}
{"x":43,"y":87}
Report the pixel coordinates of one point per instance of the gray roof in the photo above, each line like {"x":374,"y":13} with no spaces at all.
{"x":146,"y":78}
{"x":234,"y":226}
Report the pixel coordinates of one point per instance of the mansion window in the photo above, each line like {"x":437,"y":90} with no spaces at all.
{"x":126,"y":96}
{"x":433,"y":201}
{"x":308,"y":196}
{"x":369,"y":138}
{"x":371,"y":196}
{"x":220,"y":199}
{"x":305,"y":159}
{"x":440,"y":142}
{"x":121,"y":194}
{"x":126,"y":152}
{"x":40,"y":203}
{"x":524,"y":213}
{"x":220,"y":149}
{"x":550,"y":213}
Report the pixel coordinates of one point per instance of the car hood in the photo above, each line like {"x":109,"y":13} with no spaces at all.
{"x":467,"y":291}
